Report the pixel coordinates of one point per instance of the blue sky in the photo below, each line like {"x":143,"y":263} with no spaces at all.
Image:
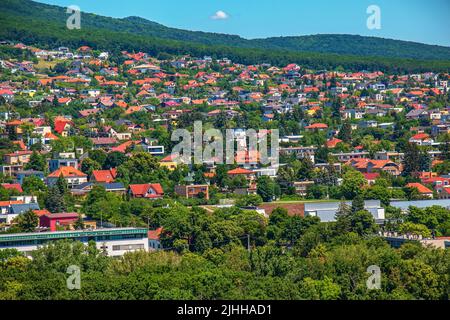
{"x":414,"y":20}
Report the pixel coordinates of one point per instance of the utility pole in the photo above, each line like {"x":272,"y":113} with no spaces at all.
{"x":248,"y":243}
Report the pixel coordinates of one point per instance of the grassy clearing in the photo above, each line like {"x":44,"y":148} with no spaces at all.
{"x":42,"y":64}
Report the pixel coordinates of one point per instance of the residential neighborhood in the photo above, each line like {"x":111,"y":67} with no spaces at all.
{"x":323,"y":119}
{"x":178,"y":167}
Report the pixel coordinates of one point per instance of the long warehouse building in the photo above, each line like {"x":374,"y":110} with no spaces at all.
{"x":115,"y":241}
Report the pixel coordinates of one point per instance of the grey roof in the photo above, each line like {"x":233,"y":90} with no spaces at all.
{"x":20,"y":208}
{"x":30,"y":172}
{"x":82,"y":186}
{"x":415,"y":113}
{"x":328,"y":206}
{"x":108,"y":186}
{"x":421,"y":203}
{"x":113,"y":185}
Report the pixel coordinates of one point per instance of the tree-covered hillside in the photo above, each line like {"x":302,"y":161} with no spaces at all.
{"x":47,"y":34}
{"x":338,"y":44}
{"x":358,"y":45}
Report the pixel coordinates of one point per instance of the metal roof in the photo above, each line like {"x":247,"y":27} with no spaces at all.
{"x":71,"y":234}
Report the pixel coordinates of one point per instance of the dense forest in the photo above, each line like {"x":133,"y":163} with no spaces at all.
{"x":34,"y":23}
{"x":324,"y":43}
{"x":287,"y":258}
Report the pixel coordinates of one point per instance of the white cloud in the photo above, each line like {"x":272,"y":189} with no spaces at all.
{"x":220,"y":15}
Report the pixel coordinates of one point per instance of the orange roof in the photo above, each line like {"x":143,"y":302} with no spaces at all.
{"x":20,"y":144}
{"x":154,"y":234}
{"x":41,"y":212}
{"x":104,"y":175}
{"x":123,"y":147}
{"x":149,"y":190}
{"x":12,"y":186}
{"x":333,"y":142}
{"x":436,"y":162}
{"x":239,"y":171}
{"x":169,"y":158}
{"x":14,"y":123}
{"x":67,"y":172}
{"x":46,"y":81}
{"x":134,"y":109}
{"x":436,"y":91}
{"x":209,"y":175}
{"x":247,"y":156}
{"x":50,"y":135}
{"x":364,"y":163}
{"x":198,"y":101}
{"x":420,"y":187}
{"x":311,"y":89}
{"x":19,"y":153}
{"x":10,"y":202}
{"x":317,"y":126}
{"x":420,"y":136}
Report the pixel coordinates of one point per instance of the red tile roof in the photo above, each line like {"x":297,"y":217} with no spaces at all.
{"x":66,"y":172}
{"x":6,"y":92}
{"x":371,"y":176}
{"x":19,"y":153}
{"x":155,"y":234}
{"x":41,"y":212}
{"x":123,"y":147}
{"x":317,"y":126}
{"x":11,"y":186}
{"x":149,"y":190}
{"x":106,"y":176}
{"x":60,"y":125}
{"x":169,"y":158}
{"x":21,"y":144}
{"x":420,"y":136}
{"x":72,"y":215}
{"x":10,"y":202}
{"x":420,"y":187}
{"x":333,"y":142}
{"x":240,"y":171}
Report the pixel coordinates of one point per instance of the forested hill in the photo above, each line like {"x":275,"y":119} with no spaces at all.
{"x":358,"y":45}
{"x":45,"y":25}
{"x":340,"y":44}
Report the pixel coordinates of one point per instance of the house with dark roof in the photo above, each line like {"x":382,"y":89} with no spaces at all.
{"x":21,"y":175}
{"x":16,"y":209}
{"x":85,"y":188}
